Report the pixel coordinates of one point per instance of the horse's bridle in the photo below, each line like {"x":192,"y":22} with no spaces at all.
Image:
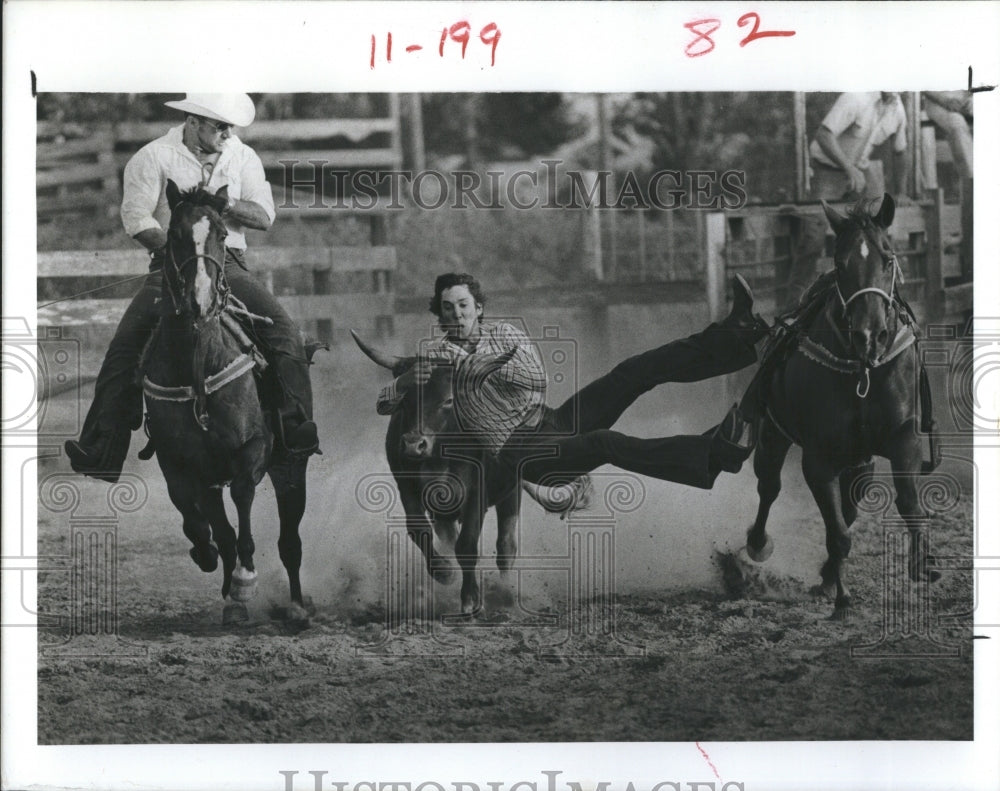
{"x":223,"y":287}
{"x":889,"y":297}
{"x":891,"y":301}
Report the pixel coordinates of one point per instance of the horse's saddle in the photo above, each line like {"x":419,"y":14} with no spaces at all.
{"x":789,"y":333}
{"x":237,"y":321}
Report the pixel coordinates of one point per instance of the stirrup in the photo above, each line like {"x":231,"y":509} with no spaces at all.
{"x":280,"y":415}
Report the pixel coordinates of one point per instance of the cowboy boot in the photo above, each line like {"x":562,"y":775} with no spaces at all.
{"x":103,"y":456}
{"x":297,"y":434}
{"x":741,"y":315}
{"x":725,"y":451}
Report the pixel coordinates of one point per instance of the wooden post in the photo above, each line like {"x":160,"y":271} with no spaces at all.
{"x":321,"y":285}
{"x":911,"y":103}
{"x":593,"y":243}
{"x":928,"y":157}
{"x":934,"y":285}
{"x":397,"y":143}
{"x":417,"y":133}
{"x":671,"y":244}
{"x":965,"y":250}
{"x":604,"y":164}
{"x":642,"y":244}
{"x":714,"y":240}
{"x":378,"y":227}
{"x":801,"y":146}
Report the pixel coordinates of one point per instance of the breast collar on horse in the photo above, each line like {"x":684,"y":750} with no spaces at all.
{"x":241,"y":365}
{"x":815,"y":351}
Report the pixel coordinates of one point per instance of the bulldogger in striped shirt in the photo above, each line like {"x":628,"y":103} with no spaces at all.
{"x":505,"y":406}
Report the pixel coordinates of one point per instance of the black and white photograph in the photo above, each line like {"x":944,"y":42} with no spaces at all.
{"x":453,"y":417}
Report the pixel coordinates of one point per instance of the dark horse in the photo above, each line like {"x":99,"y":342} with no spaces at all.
{"x":846,"y":392}
{"x":205,"y":417}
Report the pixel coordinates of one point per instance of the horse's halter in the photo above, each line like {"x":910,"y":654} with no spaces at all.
{"x":222,"y":288}
{"x":891,"y":302}
{"x":890,"y":297}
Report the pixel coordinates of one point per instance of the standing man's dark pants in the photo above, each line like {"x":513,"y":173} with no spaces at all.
{"x":118,"y":406}
{"x":584,"y":421}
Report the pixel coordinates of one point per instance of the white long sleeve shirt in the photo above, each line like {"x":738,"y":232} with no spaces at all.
{"x":144,"y":199}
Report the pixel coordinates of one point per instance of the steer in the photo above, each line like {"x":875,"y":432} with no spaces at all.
{"x":449,"y":474}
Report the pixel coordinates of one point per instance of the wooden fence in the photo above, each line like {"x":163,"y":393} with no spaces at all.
{"x":78,"y":176}
{"x":757,"y":242}
{"x":79,"y":167}
{"x":324,"y":310}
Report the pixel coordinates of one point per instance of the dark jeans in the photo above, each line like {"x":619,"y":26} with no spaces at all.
{"x":117,"y":394}
{"x":585,"y":420}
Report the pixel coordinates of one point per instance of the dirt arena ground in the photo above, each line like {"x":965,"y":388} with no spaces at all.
{"x":695,"y":643}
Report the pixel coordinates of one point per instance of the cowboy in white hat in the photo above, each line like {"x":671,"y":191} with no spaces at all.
{"x":204,"y":154}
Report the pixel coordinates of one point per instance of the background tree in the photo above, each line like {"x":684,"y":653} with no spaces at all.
{"x":484,"y":126}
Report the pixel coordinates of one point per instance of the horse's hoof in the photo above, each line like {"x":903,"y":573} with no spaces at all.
{"x":296,"y":615}
{"x":841,"y":611}
{"x":308,"y":606}
{"x":472,"y":605}
{"x":233,"y":613}
{"x":827,"y":591}
{"x":762,"y":554}
{"x":207,"y":560}
{"x":244,"y":585}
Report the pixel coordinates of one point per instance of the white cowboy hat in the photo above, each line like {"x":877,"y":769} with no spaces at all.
{"x":230,"y":108}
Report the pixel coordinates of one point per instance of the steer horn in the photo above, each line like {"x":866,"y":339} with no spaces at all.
{"x":393,"y":362}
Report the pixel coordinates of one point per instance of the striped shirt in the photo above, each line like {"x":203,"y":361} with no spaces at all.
{"x":493,"y":407}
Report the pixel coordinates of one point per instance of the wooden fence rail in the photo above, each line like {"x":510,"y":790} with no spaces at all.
{"x":369,"y":307}
{"x":757,"y":241}
{"x":79,"y":167}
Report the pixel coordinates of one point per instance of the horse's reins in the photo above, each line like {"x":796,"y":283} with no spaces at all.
{"x":232,"y":371}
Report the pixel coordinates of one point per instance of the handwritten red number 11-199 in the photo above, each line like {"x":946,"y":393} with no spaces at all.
{"x":460,"y":33}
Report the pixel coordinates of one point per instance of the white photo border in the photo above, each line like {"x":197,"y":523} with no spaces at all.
{"x":585,"y":47}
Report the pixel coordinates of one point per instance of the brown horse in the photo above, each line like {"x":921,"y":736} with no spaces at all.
{"x":205,"y":417}
{"x":845,"y":393}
